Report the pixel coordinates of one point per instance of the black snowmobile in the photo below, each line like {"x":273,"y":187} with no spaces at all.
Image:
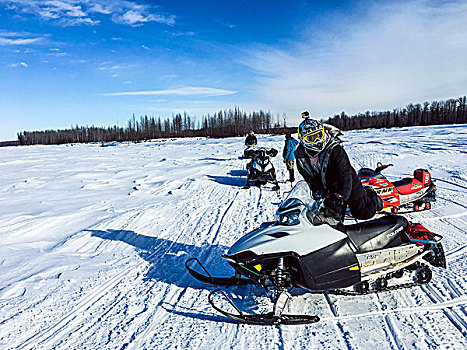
{"x":260,"y":169}
{"x":302,"y":248}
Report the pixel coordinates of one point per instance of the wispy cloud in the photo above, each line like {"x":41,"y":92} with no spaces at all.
{"x":15,"y":38}
{"x":115,"y":67}
{"x":25,"y":41}
{"x":183,"y":34}
{"x":137,"y":17}
{"x":21,"y":64}
{"x":78,"y":12}
{"x":225,"y":23}
{"x":185,"y":91}
{"x":396,"y":53}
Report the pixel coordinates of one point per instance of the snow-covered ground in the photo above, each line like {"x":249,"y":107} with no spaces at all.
{"x":94,"y":240}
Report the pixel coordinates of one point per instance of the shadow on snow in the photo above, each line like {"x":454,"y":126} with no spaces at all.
{"x":167,"y":263}
{"x":236,"y":178}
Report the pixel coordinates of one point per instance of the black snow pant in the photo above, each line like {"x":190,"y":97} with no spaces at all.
{"x":289,"y":164}
{"x":365,"y":205}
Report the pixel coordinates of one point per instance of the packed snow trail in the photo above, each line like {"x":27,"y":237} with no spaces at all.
{"x":94,"y":241}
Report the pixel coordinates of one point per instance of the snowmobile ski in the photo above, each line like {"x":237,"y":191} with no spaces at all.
{"x":220,"y":281}
{"x":267,"y":319}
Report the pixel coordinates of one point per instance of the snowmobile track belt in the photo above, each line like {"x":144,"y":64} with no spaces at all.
{"x":373,"y":291}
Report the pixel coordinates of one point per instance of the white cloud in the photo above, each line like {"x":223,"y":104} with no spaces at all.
{"x":185,"y":91}
{"x":24,"y":41}
{"x":183,"y":34}
{"x":398,"y":53}
{"x":77,"y":12}
{"x":115,"y":67}
{"x":136,"y":17}
{"x":100,"y":8}
{"x":15,"y":65}
{"x":57,"y":52}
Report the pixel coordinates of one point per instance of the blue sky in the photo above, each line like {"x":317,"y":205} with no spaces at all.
{"x":96,"y":62}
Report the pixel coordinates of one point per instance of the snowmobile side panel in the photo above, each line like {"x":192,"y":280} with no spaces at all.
{"x":334,"y":266}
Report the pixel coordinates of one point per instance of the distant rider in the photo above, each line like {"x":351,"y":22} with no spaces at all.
{"x":251,"y":140}
{"x":289,"y":155}
{"x":325,"y":166}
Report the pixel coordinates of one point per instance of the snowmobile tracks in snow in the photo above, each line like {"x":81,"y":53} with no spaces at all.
{"x":451,"y":314}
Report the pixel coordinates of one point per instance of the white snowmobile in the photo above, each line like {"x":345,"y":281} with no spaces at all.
{"x":304,"y":249}
{"x":261,"y":170}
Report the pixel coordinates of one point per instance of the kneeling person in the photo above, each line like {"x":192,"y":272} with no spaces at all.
{"x":325,"y":166}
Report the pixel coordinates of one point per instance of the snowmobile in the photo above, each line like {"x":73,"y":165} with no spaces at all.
{"x":302,"y":248}
{"x":417,"y":192}
{"x":260,"y":169}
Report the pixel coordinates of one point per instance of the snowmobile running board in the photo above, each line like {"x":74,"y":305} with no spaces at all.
{"x":220,"y":281}
{"x":268,"y":319}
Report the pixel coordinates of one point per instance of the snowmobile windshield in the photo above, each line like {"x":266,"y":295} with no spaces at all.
{"x":299,"y":194}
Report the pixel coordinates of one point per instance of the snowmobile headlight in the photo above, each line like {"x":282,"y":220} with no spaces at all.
{"x":291,"y":218}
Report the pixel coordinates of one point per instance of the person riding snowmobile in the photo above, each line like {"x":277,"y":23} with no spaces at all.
{"x":289,"y":156}
{"x":251,"y":139}
{"x":325,"y":166}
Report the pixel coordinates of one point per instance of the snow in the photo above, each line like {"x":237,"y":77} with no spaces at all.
{"x":94,"y":241}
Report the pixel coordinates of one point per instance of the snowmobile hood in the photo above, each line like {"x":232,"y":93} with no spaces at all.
{"x":292,"y":231}
{"x":301,"y":239}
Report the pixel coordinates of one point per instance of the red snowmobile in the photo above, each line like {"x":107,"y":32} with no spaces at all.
{"x":417,"y":192}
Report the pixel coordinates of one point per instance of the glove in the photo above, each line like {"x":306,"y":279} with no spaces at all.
{"x":334,"y":206}
{"x":376,"y":200}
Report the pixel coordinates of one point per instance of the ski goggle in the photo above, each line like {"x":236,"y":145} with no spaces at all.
{"x":315,"y":136}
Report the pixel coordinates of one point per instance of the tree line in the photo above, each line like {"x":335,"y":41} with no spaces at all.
{"x":452,"y":111}
{"x":232,"y":122}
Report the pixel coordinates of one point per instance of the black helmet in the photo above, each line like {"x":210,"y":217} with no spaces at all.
{"x":312,"y":135}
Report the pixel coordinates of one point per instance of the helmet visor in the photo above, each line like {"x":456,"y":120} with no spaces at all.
{"x":315,"y":136}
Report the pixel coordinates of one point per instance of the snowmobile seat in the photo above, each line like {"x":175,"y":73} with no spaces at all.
{"x":377,"y":234}
{"x":404,"y":182}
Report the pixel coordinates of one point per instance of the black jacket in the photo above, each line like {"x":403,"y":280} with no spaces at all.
{"x":250,"y":140}
{"x":337,"y":176}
